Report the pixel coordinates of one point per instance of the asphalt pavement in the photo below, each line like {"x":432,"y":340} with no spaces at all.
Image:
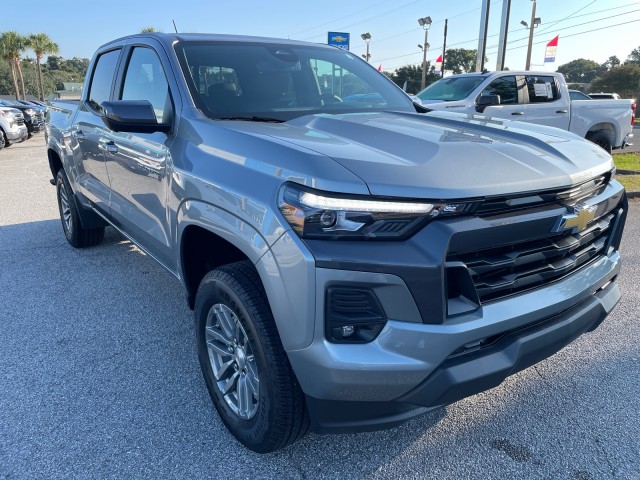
{"x":99,"y":377}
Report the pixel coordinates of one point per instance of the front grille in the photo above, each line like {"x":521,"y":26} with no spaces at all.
{"x":508,"y":269}
{"x":20,"y":121}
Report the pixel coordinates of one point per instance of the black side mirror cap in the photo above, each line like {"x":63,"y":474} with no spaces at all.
{"x":133,"y":116}
{"x":485,"y":101}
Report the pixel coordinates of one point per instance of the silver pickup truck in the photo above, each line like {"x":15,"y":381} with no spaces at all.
{"x":353,"y":259}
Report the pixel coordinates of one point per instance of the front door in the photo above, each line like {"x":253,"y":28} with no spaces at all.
{"x":138,"y":163}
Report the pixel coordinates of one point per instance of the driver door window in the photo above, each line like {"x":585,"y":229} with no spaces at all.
{"x":145,"y":80}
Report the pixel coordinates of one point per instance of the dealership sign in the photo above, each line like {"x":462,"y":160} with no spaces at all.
{"x":338,"y":39}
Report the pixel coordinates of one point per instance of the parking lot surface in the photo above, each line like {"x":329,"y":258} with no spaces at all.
{"x":99,"y":377}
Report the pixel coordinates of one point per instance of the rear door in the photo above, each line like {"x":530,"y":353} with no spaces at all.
{"x":545,"y":105}
{"x":88,"y":130}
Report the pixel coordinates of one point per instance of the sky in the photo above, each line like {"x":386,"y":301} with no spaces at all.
{"x":591,"y":29}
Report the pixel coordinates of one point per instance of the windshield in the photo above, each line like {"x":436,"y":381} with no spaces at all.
{"x":451,"y":89}
{"x":281,"y":82}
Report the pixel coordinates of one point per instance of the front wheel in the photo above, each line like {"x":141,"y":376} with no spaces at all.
{"x":244,"y":365}
{"x":75,"y":234}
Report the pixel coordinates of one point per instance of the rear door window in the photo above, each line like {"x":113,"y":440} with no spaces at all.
{"x":542,"y":89}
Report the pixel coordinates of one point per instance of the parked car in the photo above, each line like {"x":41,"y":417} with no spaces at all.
{"x":578,"y":95}
{"x":12,"y":126}
{"x":33,"y":117}
{"x":604,"y":96}
{"x":533,"y":97}
{"x":351,"y":265}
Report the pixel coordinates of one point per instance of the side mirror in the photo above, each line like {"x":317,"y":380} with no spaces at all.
{"x":485,"y":101}
{"x":134,"y":116}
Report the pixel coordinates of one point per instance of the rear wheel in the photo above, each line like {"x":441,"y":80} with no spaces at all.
{"x":245,"y":367}
{"x":76,"y":235}
{"x":602,"y":140}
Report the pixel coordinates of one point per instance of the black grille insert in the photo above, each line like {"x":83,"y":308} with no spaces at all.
{"x":503,"y":271}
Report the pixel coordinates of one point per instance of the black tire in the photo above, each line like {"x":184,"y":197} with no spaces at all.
{"x":5,"y":140}
{"x":275,"y":416}
{"x":2,"y":140}
{"x":76,"y":235}
{"x":602,"y":140}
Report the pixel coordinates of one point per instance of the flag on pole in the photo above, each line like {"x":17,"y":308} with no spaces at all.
{"x":438,"y":65}
{"x":550,"y":52}
{"x":380,"y":68}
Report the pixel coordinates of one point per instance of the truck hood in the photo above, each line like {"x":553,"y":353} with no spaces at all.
{"x":443,"y":155}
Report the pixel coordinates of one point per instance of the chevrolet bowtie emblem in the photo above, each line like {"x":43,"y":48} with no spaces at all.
{"x":578,"y":220}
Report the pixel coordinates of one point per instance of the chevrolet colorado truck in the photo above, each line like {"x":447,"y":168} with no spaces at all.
{"x":352,"y":262}
{"x":534,"y":97}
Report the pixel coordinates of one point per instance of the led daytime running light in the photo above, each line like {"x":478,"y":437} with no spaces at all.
{"x":328,"y":203}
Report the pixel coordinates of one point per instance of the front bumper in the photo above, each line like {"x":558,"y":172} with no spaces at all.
{"x":434,"y":349}
{"x":412,"y":367}
{"x":17,"y":134}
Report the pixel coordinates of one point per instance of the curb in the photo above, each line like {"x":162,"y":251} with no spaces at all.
{"x":627,"y":172}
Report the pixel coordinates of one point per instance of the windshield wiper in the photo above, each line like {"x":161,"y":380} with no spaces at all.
{"x":253,"y":119}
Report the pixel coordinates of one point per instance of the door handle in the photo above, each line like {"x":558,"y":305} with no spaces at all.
{"x":517,"y":113}
{"x":562,"y":111}
{"x":108,"y":147}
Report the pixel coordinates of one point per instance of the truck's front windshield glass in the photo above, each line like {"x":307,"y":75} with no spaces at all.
{"x":281,"y":82}
{"x":451,"y":89}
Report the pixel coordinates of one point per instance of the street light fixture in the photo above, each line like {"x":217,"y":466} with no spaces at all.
{"x":367,"y":38}
{"x":425,"y":23}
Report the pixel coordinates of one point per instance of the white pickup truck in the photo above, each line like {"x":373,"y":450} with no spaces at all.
{"x":534,"y":97}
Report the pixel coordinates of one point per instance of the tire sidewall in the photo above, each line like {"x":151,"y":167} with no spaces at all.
{"x":62,"y":182}
{"x":254,"y":430}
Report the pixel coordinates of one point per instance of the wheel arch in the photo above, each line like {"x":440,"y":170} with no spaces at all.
{"x":603,"y":127}
{"x":209,"y":237}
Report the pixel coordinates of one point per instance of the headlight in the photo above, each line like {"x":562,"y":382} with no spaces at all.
{"x":30,"y":111}
{"x":314,"y":214}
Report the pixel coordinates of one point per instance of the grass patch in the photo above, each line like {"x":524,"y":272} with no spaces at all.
{"x":630,"y":182}
{"x":627,"y":161}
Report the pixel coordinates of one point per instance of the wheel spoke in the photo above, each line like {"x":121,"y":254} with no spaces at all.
{"x":230,"y":384}
{"x":214,"y":335}
{"x":219,"y":350}
{"x":225,"y":320}
{"x":244,"y":396}
{"x":223,"y":370}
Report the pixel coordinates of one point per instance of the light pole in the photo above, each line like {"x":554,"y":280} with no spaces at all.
{"x":425,"y":23}
{"x":535,"y":21}
{"x":367,"y":38}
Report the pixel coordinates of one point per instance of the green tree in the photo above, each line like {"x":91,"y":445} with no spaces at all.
{"x":412,"y":74}
{"x":460,"y":60}
{"x":634,"y":57}
{"x":148,"y":30}
{"x":580,"y":70}
{"x":12,"y":45}
{"x":624,"y":80}
{"x":612,"y":62}
{"x":41,"y":45}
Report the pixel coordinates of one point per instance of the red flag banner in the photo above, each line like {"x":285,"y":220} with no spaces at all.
{"x":438,"y":64}
{"x":380,"y":68}
{"x":550,"y":52}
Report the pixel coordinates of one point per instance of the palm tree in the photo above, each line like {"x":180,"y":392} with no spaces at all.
{"x":41,"y":45}
{"x":148,"y":30}
{"x":11,"y":48}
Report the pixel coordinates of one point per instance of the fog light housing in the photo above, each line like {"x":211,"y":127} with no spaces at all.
{"x":352,"y":315}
